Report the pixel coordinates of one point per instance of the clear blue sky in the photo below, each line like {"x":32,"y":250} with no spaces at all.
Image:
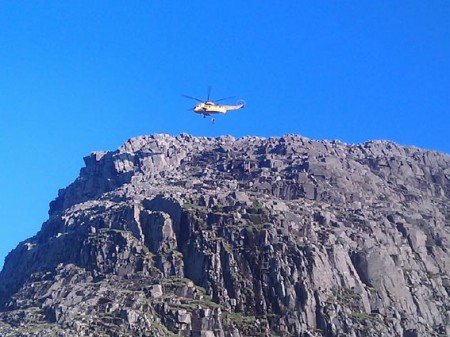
{"x":80,"y":76}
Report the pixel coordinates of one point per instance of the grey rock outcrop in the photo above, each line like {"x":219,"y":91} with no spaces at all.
{"x":239,"y":237}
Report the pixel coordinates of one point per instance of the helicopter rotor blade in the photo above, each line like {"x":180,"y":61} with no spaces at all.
{"x":223,"y":99}
{"x":209,"y":92}
{"x":194,"y":98}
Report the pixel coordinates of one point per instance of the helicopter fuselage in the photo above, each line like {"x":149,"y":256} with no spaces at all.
{"x":207,"y":108}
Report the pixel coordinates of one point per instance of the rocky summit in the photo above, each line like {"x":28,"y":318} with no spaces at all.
{"x":225,"y":237}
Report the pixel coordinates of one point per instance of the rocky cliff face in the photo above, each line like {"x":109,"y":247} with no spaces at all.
{"x":239,"y":237}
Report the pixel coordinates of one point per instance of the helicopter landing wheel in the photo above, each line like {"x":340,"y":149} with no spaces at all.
{"x":213,"y":120}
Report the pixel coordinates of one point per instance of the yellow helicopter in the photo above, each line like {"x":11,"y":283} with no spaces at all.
{"x":208,"y":107}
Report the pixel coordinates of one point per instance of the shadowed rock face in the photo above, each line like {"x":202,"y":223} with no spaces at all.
{"x":239,"y":237}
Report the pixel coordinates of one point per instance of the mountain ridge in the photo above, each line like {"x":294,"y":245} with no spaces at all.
{"x":239,"y":237}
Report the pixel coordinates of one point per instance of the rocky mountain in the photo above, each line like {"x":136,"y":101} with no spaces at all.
{"x":230,"y":237}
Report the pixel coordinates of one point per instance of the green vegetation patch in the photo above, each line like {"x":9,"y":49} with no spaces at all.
{"x":239,"y":319}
